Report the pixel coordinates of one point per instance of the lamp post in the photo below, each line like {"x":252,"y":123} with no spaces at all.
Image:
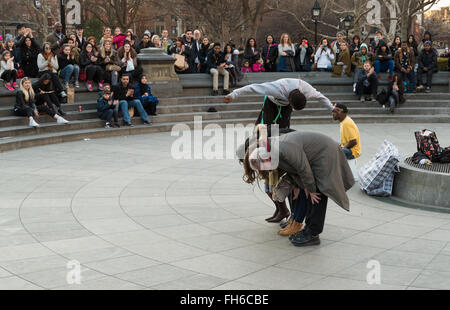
{"x":347,"y":24}
{"x":63,"y":15}
{"x":315,"y":16}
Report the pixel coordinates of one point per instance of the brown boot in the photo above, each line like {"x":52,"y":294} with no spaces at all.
{"x":282,"y":214}
{"x":291,"y":221}
{"x":294,"y":228}
{"x":277,"y":209}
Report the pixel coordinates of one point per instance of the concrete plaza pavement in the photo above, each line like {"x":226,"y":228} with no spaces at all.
{"x":134,"y":218}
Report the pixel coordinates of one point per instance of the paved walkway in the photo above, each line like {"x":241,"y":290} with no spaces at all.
{"x":137,"y":219}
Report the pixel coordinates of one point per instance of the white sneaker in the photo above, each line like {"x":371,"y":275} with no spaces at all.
{"x":33,"y":123}
{"x":62,"y":120}
{"x":354,"y":87}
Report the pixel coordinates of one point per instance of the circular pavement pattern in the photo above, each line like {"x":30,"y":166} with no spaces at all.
{"x":134,"y":218}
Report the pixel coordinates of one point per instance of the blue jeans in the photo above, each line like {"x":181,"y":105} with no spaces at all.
{"x":299,"y":207}
{"x":411,"y":77}
{"x":384,"y":66}
{"x":125,"y":105}
{"x":348,"y":153}
{"x":69,"y":70}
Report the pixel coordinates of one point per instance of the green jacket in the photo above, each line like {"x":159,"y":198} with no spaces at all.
{"x":357,"y":59}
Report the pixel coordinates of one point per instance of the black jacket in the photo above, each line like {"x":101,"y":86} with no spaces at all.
{"x":215,"y":60}
{"x":64,"y":62}
{"x":102,"y":106}
{"x":383,"y":57}
{"x":249,"y":54}
{"x":28,"y":58}
{"x":86,"y":61}
{"x":428,"y":58}
{"x":306,"y":66}
{"x":120,"y":92}
{"x":270,"y":52}
{"x":21,"y":103}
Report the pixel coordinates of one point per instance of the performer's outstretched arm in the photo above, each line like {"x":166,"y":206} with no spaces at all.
{"x":311,"y":93}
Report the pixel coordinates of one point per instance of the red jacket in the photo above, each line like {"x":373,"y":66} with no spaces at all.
{"x":118,"y":40}
{"x":258,"y":68}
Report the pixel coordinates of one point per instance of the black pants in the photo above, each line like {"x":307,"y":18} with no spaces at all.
{"x":315,"y":215}
{"x":94,"y":73}
{"x":25,"y":111}
{"x":366,"y":90}
{"x":47,"y":103}
{"x":55,"y":80}
{"x":428,"y":74}
{"x":109,"y":114}
{"x":9,"y":76}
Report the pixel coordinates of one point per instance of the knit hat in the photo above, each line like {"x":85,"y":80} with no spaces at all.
{"x":364,"y":45}
{"x":428,"y":43}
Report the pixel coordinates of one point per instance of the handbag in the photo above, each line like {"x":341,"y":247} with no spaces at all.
{"x":112,"y":67}
{"x":315,"y":66}
{"x":181,"y":63}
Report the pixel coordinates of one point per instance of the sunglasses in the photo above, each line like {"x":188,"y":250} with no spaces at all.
{"x":47,"y":47}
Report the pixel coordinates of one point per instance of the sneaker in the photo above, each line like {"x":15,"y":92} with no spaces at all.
{"x":100,"y":85}
{"x":428,"y":90}
{"x":62,"y":120}
{"x":89,"y":86}
{"x":107,"y":125}
{"x":215,"y":93}
{"x":116,"y":125}
{"x":147,"y":123}
{"x":374,"y":99}
{"x":33,"y":123}
{"x":354,"y":87}
{"x":77,"y":84}
{"x":125,"y":124}
{"x":362,"y":99}
{"x":66,"y":85}
{"x":63,"y":94}
{"x":226,"y":92}
{"x":15,"y":85}
{"x":9,"y":87}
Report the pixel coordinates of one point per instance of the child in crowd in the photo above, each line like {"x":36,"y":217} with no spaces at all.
{"x":259,"y":66}
{"x":143,"y":93}
{"x":246,"y":67}
{"x":7,"y":71}
{"x":106,"y":109}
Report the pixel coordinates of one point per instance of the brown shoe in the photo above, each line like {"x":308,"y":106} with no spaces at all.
{"x":282,"y":214}
{"x":292,"y":229}
{"x":288,"y":227}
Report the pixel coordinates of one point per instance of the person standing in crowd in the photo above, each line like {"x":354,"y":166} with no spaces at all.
{"x":165,"y":34}
{"x":109,"y":61}
{"x":89,"y":61}
{"x":46,"y":99}
{"x":367,"y":85}
{"x":343,"y":62}
{"x":189,"y":51}
{"x":427,"y":62}
{"x":196,"y":49}
{"x":21,"y":33}
{"x":324,"y":56}
{"x":304,"y":56}
{"x":156,"y":41}
{"x":404,"y":64}
{"x":396,"y":45}
{"x":270,"y":54}
{"x":286,"y":52}
{"x":316,"y":164}
{"x":124,"y":97}
{"x":216,"y":66}
{"x":205,"y":48}
{"x":25,"y":102}
{"x":426,"y":37}
{"x":165,"y":45}
{"x":57,"y":37}
{"x":251,"y":52}
{"x":355,"y":45}
{"x":128,"y":61}
{"x":384,"y":61}
{"x":143,"y":93}
{"x":118,"y":39}
{"x":29,"y":51}
{"x":80,"y":39}
{"x":48,"y":63}
{"x":377,"y":42}
{"x":358,"y":60}
{"x":7,"y":71}
{"x":106,"y":109}
{"x":336,"y":44}
{"x":145,"y":42}
{"x":93,"y":41}
{"x":412,"y":44}
{"x":68,"y":66}
{"x":107,"y":35}
{"x":349,"y":132}
{"x":181,"y":49}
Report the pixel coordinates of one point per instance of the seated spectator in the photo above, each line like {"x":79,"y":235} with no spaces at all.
{"x":343,"y":62}
{"x":128,"y":61}
{"x":29,"y":51}
{"x":124,"y":97}
{"x":14,"y":52}
{"x":74,"y":50}
{"x":246,"y":67}
{"x":89,"y":61}
{"x":46,"y":99}
{"x":118,"y":39}
{"x":304,"y":56}
{"x":7,"y":71}
{"x":205,"y":48}
{"x":427,"y":62}
{"x":367,"y":83}
{"x":259,"y":66}
{"x":68,"y":66}
{"x":107,"y":35}
{"x":404,"y":65}
{"x":355,"y":45}
{"x":145,"y":42}
{"x":350,"y":138}
{"x":395,"y":92}
{"x":106,"y":109}
{"x":143,"y":93}
{"x":48,"y":63}
{"x":216,"y":65}
{"x":286,"y":52}
{"x":384,"y":61}
{"x":396,"y":45}
{"x":156,"y":41}
{"x":251,"y":52}
{"x":109,"y":61}
{"x":57,"y":37}
{"x":377,"y":42}
{"x":358,"y":60}
{"x":324,"y":56}
{"x":80,"y":40}
{"x":25,"y":102}
{"x":93,"y":42}
{"x":412,"y":44}
{"x":232,"y":59}
{"x":270,"y":54}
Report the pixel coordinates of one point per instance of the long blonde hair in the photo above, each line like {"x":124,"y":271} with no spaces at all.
{"x":282,"y":39}
{"x":28,"y":93}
